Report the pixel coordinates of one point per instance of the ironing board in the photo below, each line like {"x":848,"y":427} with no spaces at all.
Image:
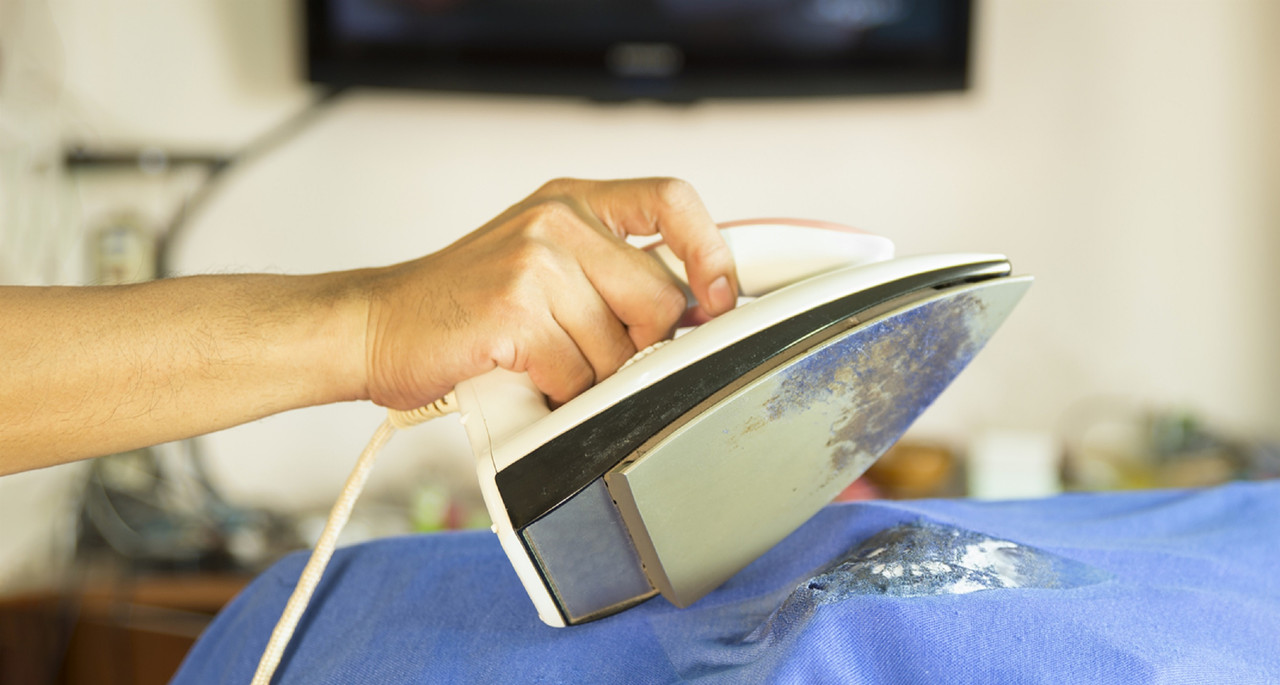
{"x":1161,"y":586}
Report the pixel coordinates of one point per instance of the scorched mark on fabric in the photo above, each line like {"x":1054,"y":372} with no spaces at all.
{"x":923,"y":558}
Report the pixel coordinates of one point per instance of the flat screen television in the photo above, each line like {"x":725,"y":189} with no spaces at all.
{"x":674,"y":50}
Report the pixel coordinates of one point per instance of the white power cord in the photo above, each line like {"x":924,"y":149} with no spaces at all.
{"x":328,"y":541}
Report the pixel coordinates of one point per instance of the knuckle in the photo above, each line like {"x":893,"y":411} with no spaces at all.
{"x":714,"y":251}
{"x":556,"y":186}
{"x":527,"y":267}
{"x":711,"y":253}
{"x":533,"y":253}
{"x":549,"y":218}
{"x":674,"y":192}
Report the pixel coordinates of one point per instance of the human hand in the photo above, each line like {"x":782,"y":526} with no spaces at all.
{"x":550,"y":287}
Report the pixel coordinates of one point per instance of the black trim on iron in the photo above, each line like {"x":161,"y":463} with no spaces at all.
{"x":551,"y":474}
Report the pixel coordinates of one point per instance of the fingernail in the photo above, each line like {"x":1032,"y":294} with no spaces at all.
{"x":721,"y":295}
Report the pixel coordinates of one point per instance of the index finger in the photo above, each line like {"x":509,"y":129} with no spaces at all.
{"x":671,"y":208}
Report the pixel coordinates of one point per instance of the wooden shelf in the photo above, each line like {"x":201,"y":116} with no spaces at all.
{"x":119,"y":632}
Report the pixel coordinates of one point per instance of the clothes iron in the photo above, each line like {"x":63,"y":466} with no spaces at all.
{"x":702,"y":453}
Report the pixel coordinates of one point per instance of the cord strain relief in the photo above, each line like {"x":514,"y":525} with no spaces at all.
{"x":405,"y":419}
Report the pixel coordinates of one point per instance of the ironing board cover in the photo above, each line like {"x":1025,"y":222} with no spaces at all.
{"x":1166,"y":586}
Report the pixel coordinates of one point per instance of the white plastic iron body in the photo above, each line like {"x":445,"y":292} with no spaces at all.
{"x":684,"y":466}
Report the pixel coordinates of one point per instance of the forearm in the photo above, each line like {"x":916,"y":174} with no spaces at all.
{"x":549,"y":288}
{"x":92,"y":371}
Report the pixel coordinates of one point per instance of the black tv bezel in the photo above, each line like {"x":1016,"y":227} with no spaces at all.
{"x":384,"y":67}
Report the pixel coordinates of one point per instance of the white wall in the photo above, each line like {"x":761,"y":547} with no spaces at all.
{"x":1123,"y":151}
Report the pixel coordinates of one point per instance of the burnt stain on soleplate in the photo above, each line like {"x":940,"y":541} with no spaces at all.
{"x":888,"y":373}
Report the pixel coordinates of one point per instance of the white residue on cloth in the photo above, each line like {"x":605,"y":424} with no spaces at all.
{"x":930,"y":559}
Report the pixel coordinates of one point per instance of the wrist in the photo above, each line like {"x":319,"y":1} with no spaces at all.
{"x":340,"y":302}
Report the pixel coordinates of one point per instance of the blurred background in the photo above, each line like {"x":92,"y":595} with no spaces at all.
{"x":1125,"y":152}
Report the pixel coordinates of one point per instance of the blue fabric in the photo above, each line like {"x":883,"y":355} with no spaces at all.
{"x":1187,"y":591}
